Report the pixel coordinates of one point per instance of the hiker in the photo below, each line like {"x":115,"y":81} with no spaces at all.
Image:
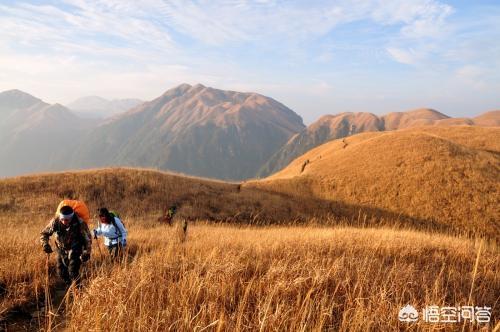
{"x":113,"y":230}
{"x":73,"y":243}
{"x":170,"y":214}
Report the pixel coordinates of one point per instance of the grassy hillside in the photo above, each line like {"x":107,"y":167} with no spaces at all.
{"x":317,"y":272}
{"x":448,"y":176}
{"x":148,"y":193}
{"x":330,"y":127}
{"x":491,"y":119}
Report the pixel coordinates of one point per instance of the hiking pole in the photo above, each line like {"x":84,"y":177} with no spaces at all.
{"x":48,"y":300}
{"x":96,"y":238}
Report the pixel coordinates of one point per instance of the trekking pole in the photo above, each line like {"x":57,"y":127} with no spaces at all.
{"x":48,"y":300}
{"x":97,"y":239}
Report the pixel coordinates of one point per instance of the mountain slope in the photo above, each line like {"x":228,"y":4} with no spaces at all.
{"x":443,"y":175}
{"x":195,"y":130}
{"x":326,"y":128}
{"x":34,"y":135}
{"x":418,"y":117}
{"x":147,"y":194}
{"x":331,"y":127}
{"x":15,"y":99}
{"x":488,"y":119}
{"x":98,"y":107}
{"x":12,"y":101}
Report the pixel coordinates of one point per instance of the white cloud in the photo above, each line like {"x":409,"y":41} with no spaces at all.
{"x":420,"y":18}
{"x":118,"y":48}
{"x":406,"y":56}
{"x":151,"y":24}
{"x":46,"y":26}
{"x":424,"y":25}
{"x":217,"y":22}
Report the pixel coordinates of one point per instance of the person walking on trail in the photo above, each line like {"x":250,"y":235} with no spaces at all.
{"x":170,"y":214}
{"x":73,"y":243}
{"x":113,"y":230}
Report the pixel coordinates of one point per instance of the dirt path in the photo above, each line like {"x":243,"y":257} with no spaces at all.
{"x":33,"y":316}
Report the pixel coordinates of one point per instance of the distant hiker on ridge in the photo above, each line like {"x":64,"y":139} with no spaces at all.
{"x":73,"y":243}
{"x":168,"y":216}
{"x":170,"y":213}
{"x":113,"y":230}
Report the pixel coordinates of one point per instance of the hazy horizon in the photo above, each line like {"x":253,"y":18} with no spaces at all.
{"x":81,"y":112}
{"x":316,"y":58}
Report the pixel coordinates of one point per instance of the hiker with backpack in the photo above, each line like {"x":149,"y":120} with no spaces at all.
{"x":73,"y":242}
{"x":113,"y":230}
{"x":168,"y":216}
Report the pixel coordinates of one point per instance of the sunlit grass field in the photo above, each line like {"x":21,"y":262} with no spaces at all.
{"x":229,"y":278}
{"x":266,"y":259}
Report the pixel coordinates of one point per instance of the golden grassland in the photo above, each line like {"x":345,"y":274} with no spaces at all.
{"x":229,"y":278}
{"x":371,"y":223}
{"x":448,"y":177}
{"x":142,"y":192}
{"x":147,"y":194}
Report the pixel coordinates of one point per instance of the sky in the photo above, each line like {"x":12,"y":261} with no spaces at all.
{"x":316,"y":57}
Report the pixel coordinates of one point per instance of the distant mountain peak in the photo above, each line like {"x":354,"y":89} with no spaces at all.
{"x":429,"y":112}
{"x":16,"y":93}
{"x":91,"y":99}
{"x":99,"y":107}
{"x":17,"y":99}
{"x":198,"y":130}
{"x":173,"y":92}
{"x":183,"y":88}
{"x":58,"y":109}
{"x":199,"y":86}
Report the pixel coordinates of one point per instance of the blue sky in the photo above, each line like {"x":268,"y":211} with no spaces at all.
{"x":316,"y":57}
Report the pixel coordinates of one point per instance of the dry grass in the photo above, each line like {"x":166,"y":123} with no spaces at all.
{"x":259,"y":278}
{"x":311,"y":271}
{"x":443,"y":176}
{"x":148,"y":193}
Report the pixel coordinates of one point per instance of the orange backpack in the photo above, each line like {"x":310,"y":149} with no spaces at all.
{"x":81,"y":210}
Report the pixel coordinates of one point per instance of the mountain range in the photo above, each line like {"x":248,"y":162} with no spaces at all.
{"x":196,"y":130}
{"x":98,"y":107}
{"x":191,"y":129}
{"x":330,"y":127}
{"x":35,"y":136}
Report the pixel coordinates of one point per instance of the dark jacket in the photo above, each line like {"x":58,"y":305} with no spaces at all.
{"x":77,"y":234}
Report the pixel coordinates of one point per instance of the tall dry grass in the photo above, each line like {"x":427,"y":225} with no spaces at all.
{"x":256,"y":278}
{"x":286,"y":278}
{"x":23,"y":273}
